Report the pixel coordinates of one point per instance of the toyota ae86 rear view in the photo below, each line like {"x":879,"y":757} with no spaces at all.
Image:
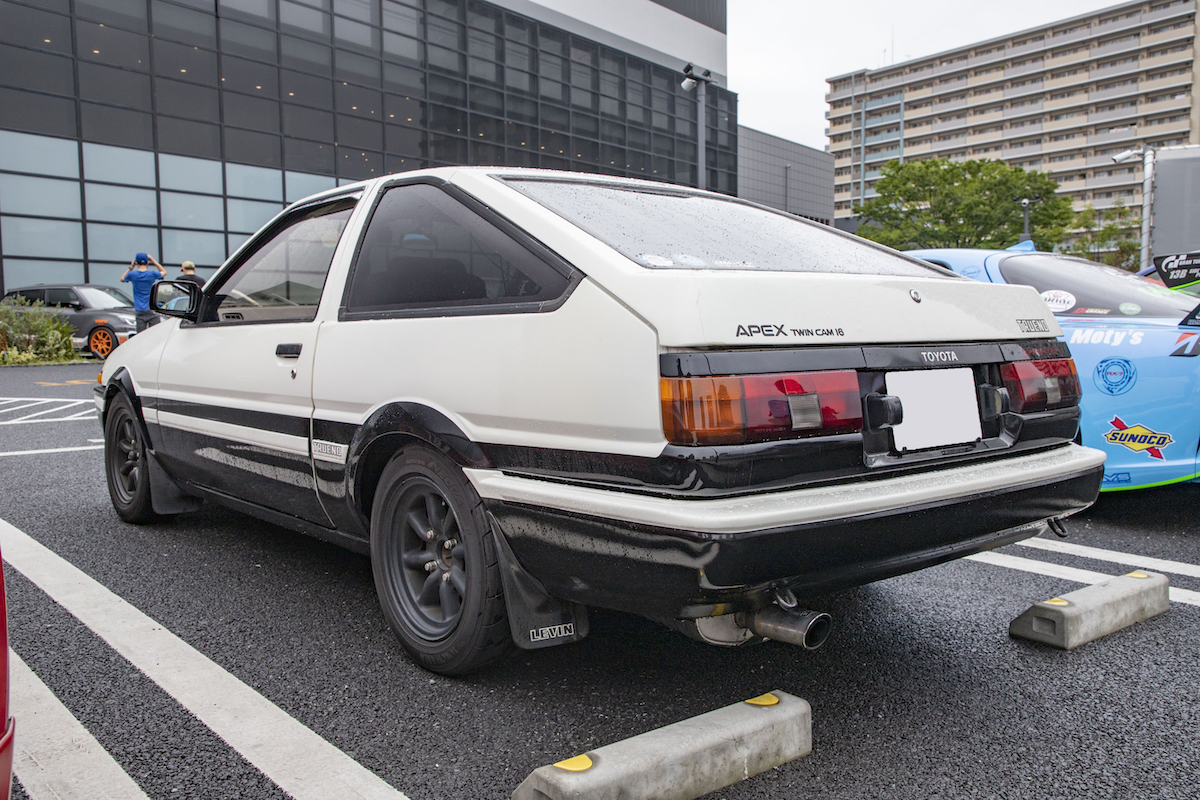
{"x":526,"y":393}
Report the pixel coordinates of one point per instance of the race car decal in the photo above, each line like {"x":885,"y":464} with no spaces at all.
{"x":1058,"y":300}
{"x":1117,"y":478}
{"x":1189,"y":345}
{"x":1138,"y":438}
{"x":1104,"y":336}
{"x":1115,"y":376}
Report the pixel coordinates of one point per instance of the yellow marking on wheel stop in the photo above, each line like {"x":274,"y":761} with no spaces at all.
{"x":718,"y":610}
{"x":767,"y":699}
{"x":576,"y":764}
{"x":1136,"y":574}
{"x":1058,"y":601}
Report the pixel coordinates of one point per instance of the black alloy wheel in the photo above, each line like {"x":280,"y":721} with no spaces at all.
{"x":435,"y":565}
{"x":125,"y":464}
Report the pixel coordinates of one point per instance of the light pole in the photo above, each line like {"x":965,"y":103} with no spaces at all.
{"x":1146,"y":153}
{"x":699,"y":82}
{"x":787,"y":168}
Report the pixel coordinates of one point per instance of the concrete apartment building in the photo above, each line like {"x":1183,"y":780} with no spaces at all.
{"x":785,"y":175}
{"x":1061,"y":98}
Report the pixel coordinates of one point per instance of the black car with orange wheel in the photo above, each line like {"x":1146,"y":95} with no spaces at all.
{"x":101,"y":317}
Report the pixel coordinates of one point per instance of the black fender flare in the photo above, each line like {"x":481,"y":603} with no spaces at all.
{"x":166,"y":496}
{"x":385,"y":432}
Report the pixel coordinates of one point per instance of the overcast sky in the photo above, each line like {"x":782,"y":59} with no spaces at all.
{"x":781,"y":51}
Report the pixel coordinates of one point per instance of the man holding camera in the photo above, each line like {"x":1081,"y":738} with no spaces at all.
{"x":142,"y":279}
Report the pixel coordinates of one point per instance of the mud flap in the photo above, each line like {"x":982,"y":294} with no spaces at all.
{"x":535,"y":618}
{"x":165,"y":495}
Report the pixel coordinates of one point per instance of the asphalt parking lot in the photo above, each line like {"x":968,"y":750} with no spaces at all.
{"x":919,"y":692}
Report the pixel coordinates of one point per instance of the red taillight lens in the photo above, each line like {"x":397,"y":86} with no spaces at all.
{"x":735,"y":409}
{"x":1041,"y":385}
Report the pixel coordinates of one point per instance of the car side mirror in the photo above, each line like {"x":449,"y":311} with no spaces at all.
{"x":176,"y":299}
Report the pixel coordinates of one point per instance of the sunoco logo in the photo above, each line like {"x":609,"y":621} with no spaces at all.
{"x":1138,"y":438}
{"x":551,"y":632}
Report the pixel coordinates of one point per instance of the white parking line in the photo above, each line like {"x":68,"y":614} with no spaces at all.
{"x":51,"y":450}
{"x":302,"y":763}
{"x":67,"y":406}
{"x":54,"y":755}
{"x":1069,"y":573}
{"x":1116,"y":557}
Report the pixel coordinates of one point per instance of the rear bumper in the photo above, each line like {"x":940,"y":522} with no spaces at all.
{"x":669,"y":557}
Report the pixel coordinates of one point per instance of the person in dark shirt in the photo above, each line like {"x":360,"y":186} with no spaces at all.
{"x":142,"y":279}
{"x":189,"y":274}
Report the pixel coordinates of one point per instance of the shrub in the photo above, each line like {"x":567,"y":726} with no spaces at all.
{"x":31,"y":333}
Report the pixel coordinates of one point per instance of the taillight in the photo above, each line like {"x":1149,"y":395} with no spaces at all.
{"x":750,"y":408}
{"x":1041,"y":385}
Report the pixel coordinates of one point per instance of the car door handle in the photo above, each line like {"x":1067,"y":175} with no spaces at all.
{"x":288,"y":350}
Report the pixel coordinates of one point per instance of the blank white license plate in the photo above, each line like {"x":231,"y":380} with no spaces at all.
{"x":940,"y":408}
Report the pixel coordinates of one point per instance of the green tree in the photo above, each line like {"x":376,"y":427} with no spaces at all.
{"x":943,"y":203}
{"x":1111,"y":236}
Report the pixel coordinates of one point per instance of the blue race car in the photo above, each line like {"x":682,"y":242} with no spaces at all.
{"x":1137,"y":365}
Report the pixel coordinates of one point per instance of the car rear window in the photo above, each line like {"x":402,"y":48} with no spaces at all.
{"x":671,"y":229}
{"x":1077,"y":287}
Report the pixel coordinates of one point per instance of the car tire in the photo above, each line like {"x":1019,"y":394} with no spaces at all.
{"x":435,"y":566}
{"x":101,"y":342}
{"x":125,"y":463}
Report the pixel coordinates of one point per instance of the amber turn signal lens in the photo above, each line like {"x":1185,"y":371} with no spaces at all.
{"x":735,"y":409}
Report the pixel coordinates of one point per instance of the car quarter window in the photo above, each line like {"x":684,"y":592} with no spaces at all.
{"x":61,"y":297}
{"x":31,"y":295}
{"x":423,"y":249}
{"x":281,"y":276}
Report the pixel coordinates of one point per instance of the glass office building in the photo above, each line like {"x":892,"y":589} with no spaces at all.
{"x":178,"y":127}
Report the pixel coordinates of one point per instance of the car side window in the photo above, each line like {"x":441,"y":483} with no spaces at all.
{"x":32,"y":295}
{"x":423,"y":249}
{"x":61,"y":297}
{"x":281,"y":277}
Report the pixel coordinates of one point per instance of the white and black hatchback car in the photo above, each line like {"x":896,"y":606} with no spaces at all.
{"x":524,"y":393}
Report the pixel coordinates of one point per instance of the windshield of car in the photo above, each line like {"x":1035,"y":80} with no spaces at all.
{"x":104,"y":297}
{"x":671,"y":229}
{"x":1076,"y":287}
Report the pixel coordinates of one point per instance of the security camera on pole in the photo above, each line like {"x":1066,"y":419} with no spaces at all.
{"x":699,"y":81}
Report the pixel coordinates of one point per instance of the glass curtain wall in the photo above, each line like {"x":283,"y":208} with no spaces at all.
{"x":185,"y":115}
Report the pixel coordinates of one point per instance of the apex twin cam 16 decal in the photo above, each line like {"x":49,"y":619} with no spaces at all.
{"x":1138,"y":438}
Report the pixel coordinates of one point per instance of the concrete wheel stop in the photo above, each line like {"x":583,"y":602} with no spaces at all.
{"x":1086,"y":614}
{"x":685,"y":760}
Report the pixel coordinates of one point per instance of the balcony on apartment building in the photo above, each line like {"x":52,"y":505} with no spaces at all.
{"x":1109,"y":181}
{"x":1184,"y":9}
{"x":1103,"y":73}
{"x":1111,"y":48}
{"x":1115,"y":92}
{"x":1022,"y":91}
{"x":985,"y":138}
{"x":1068,"y":59}
{"x":1029,"y":68}
{"x":882,"y":119}
{"x":1022,"y":149}
{"x":1151,"y":62}
{"x":886,"y":154}
{"x":882,"y":137}
{"x":940,"y":126}
{"x":1020,"y":111}
{"x":1127,"y":133}
{"x":1181,"y":79}
{"x":879,"y":102}
{"x":1075,"y":98}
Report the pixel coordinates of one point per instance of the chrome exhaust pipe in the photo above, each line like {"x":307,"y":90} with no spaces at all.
{"x":809,"y":629}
